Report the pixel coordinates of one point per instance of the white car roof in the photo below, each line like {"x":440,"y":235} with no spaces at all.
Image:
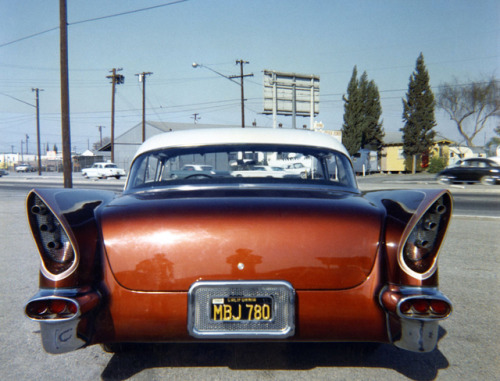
{"x":216,"y":136}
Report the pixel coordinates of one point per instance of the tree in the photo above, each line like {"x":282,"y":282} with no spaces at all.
{"x":97,"y":145}
{"x":351,"y":129}
{"x":470,"y":105}
{"x":372,"y":133}
{"x":418,"y":114}
{"x":362,"y":112}
{"x":55,"y":149}
{"x":494,"y":142}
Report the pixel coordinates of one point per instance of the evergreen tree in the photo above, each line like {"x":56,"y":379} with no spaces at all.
{"x":372,"y":132}
{"x":351,"y":129}
{"x":418,"y":114}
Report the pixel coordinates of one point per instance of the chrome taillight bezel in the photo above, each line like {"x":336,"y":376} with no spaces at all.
{"x":56,"y":245}
{"x":423,"y":238}
{"x":70,"y":311}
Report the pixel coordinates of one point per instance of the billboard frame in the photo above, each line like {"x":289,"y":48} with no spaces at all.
{"x":291,"y":94}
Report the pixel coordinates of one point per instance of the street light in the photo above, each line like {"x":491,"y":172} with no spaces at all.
{"x":231,"y":78}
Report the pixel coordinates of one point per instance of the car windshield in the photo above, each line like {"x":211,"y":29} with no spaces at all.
{"x":235,"y":164}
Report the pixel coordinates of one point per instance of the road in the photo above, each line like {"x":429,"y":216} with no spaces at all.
{"x":468,"y":347}
{"x":470,"y":200}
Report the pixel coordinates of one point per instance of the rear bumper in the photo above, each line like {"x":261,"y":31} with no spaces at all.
{"x":417,"y":333}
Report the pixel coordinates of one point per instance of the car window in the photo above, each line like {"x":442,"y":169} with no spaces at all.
{"x":248,"y":163}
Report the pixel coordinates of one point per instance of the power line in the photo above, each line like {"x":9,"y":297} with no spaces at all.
{"x":93,"y":19}
{"x":30,"y":36}
{"x":126,"y":13}
{"x":19,"y":100}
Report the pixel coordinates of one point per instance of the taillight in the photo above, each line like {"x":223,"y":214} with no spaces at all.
{"x":56,"y":249}
{"x":422,"y":245}
{"x":52,"y":308}
{"x":419,"y":307}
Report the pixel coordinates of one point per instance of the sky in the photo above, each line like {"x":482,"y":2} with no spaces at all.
{"x":458,"y":38}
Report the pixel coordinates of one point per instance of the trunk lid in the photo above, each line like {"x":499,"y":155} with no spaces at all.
{"x":156,"y":243}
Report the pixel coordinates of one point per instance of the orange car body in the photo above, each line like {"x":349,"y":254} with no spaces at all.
{"x":283,"y":260}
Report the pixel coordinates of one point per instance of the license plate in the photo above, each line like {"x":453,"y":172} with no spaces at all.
{"x":242,"y":309}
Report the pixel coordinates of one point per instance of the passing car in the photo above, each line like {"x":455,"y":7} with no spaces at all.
{"x":3,"y":172}
{"x":238,"y":258}
{"x":23,"y":167}
{"x":474,"y":170}
{"x":103,"y":171}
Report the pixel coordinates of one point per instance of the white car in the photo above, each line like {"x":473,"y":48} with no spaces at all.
{"x":297,"y":169}
{"x":103,"y":171}
{"x":22,"y":167}
{"x":260,"y":171}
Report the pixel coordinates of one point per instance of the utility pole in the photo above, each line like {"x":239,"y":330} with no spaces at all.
{"x":241,"y":76}
{"x":195,"y":117}
{"x":38,"y":130}
{"x":116,"y":79}
{"x":27,"y":138}
{"x":22,"y":157}
{"x":65,"y":128}
{"x":231,"y":78}
{"x":142,"y":78}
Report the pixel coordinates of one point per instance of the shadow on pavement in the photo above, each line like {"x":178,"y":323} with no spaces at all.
{"x":274,"y":356}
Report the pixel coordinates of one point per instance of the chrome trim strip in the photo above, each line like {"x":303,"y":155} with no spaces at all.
{"x":250,"y":186}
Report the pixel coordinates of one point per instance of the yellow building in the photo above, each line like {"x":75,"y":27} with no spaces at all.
{"x":392,"y":156}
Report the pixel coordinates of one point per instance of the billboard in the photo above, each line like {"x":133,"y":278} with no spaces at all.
{"x":291,"y":94}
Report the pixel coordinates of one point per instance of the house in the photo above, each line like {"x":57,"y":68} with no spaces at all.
{"x":393,"y":158}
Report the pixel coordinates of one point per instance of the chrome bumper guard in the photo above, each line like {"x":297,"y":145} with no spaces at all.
{"x":203,"y":295}
{"x":60,"y":335}
{"x":417,"y":333}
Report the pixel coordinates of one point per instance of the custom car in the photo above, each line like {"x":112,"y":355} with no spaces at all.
{"x":238,"y":258}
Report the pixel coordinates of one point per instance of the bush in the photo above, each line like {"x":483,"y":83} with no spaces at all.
{"x":437,"y":164}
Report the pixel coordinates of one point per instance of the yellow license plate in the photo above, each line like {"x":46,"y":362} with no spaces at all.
{"x":242,"y":309}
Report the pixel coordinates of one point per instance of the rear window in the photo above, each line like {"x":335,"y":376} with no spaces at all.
{"x":240,"y":164}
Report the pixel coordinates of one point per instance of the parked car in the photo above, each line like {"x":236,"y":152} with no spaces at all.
{"x":103,"y":171}
{"x":199,"y":171}
{"x":297,"y":169}
{"x":23,"y":167}
{"x":259,"y":171}
{"x":472,"y":170}
{"x":238,"y":258}
{"x":3,"y":172}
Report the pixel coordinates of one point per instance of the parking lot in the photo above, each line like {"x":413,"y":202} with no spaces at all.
{"x":468,"y":347}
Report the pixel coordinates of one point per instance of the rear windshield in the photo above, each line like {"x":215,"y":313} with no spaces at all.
{"x":232,"y":164}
